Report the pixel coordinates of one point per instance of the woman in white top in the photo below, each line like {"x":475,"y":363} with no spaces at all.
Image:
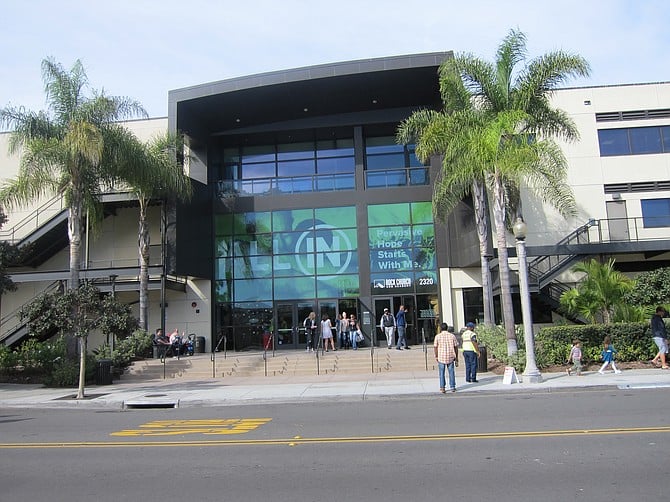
{"x":327,"y":332}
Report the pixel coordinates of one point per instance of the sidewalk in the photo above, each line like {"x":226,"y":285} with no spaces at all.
{"x":235,"y":391}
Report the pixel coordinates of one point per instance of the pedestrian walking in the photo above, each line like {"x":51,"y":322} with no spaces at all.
{"x":576,"y":358}
{"x":608,"y":356}
{"x":342,"y":330}
{"x":387,"y":324}
{"x":660,"y":334}
{"x":401,"y":325}
{"x":310,"y":331}
{"x":327,"y":332}
{"x":445,"y":346}
{"x":470,"y":352}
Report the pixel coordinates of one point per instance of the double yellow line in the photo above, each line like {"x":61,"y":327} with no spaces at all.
{"x":298,"y":440}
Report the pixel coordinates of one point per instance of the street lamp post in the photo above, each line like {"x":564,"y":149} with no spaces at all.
{"x":531,"y":374}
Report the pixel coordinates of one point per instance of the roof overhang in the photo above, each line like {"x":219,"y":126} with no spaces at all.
{"x":244,"y":104}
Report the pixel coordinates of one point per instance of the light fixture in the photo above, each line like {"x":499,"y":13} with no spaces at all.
{"x":520,"y":228}
{"x":305,"y":109}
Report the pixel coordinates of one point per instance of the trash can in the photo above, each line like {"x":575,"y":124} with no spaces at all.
{"x":103,"y":373}
{"x":482,"y":363}
{"x":200,"y":344}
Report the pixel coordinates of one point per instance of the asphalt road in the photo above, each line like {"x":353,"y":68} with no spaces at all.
{"x":575,"y":445}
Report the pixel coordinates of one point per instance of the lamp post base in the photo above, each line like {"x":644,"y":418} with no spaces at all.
{"x":532,"y":377}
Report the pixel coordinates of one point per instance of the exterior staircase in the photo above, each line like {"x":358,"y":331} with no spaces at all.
{"x":294,"y":364}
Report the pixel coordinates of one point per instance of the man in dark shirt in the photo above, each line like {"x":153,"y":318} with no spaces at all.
{"x":660,"y":335}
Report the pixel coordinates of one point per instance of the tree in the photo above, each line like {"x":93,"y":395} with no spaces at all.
{"x":600,"y":291}
{"x":504,"y":87}
{"x":69,"y":150}
{"x":9,"y":254}
{"x":652,"y":288}
{"x":77,"y":311}
{"x":434,"y":134}
{"x":72,"y":150}
{"x":160,"y":174}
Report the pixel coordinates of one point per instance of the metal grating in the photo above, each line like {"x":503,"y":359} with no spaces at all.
{"x":640,"y":186}
{"x":663,"y":113}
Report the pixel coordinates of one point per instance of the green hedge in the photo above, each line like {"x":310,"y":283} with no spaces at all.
{"x":633,"y":341}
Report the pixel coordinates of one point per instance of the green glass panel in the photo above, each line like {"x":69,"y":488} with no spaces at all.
{"x":391,"y":260}
{"x":390,"y":237}
{"x":253,"y":267}
{"x":248,"y":290}
{"x":423,"y":235}
{"x":339,"y":217}
{"x":388,"y":214}
{"x":424,"y":259}
{"x":340,"y":286}
{"x":422,"y":212}
{"x":223,"y":246}
{"x":223,"y":291}
{"x":223,"y":269}
{"x":291,"y":242}
{"x":223,"y":224}
{"x":293,"y":264}
{"x":294,"y":288}
{"x":252,"y":223}
{"x":297,"y":219}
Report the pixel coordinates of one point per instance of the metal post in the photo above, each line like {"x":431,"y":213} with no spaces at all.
{"x":113,"y":279}
{"x":531,"y":374}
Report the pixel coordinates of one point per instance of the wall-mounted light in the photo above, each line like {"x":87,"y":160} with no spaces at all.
{"x":587,"y":102}
{"x":616,"y":196}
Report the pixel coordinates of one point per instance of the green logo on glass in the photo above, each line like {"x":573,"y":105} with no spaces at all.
{"x":327,"y":252}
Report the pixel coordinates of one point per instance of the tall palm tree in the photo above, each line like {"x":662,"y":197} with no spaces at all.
{"x":160,"y":174}
{"x":512,"y":84}
{"x":68,"y":150}
{"x":434,"y":133}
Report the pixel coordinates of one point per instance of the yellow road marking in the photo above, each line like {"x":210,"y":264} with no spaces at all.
{"x":208,"y":427}
{"x":356,"y":439}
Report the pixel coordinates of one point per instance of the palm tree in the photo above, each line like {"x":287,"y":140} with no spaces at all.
{"x":600,"y":293}
{"x":502,"y":86}
{"x":68,"y":150}
{"x":159,"y":175}
{"x":71,"y":150}
{"x":434,"y":133}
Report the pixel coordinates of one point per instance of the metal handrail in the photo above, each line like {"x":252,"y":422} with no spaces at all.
{"x":14,"y":318}
{"x":52,"y":207}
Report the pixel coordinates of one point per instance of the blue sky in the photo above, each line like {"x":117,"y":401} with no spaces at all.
{"x":144,"y":48}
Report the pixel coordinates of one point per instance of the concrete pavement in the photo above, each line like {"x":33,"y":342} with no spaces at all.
{"x":258,"y":390}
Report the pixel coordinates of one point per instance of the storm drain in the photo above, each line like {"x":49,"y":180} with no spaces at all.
{"x":151,"y":401}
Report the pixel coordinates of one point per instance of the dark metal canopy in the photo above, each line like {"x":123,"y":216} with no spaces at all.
{"x":299,"y":96}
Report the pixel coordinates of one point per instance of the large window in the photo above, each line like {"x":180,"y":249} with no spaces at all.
{"x":388,"y":164}
{"x":282,"y":255}
{"x":288,"y":168}
{"x":655,"y":213}
{"x":402,"y":248}
{"x":634,"y":141}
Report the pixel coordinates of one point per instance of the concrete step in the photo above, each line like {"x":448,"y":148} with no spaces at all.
{"x":283,"y":363}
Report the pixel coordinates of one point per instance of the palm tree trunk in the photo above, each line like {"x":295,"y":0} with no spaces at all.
{"x":481,"y":223}
{"x":143,"y":245}
{"x":503,"y":264}
{"x":74,"y":224}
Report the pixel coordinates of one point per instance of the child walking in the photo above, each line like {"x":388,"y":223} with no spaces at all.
{"x":576,"y":358}
{"x":608,"y":356}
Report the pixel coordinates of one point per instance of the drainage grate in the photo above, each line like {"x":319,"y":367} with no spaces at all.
{"x":150,"y":401}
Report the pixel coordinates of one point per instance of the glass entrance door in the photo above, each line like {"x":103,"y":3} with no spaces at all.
{"x":287,"y":326}
{"x":381,"y":303}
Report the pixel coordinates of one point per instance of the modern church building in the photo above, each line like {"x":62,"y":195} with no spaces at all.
{"x":305,"y":202}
